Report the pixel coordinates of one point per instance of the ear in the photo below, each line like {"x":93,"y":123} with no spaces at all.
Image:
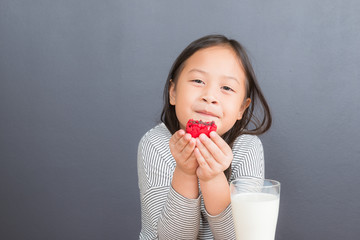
{"x":172,"y":93}
{"x":243,"y":107}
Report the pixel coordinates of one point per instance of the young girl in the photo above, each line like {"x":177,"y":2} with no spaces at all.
{"x":183,"y":181}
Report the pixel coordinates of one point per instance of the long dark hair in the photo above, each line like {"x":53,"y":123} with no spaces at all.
{"x":256,"y":118}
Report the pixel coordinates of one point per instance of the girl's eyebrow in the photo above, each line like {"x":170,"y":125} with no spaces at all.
{"x":197,"y":70}
{"x":204,"y":72}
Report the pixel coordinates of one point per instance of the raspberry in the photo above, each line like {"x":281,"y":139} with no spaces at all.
{"x":196,"y":127}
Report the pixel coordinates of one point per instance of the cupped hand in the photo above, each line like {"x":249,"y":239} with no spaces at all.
{"x":213,"y":155}
{"x":182,"y":147}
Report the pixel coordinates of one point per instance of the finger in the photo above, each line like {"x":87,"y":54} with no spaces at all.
{"x":220,"y":142}
{"x":201,"y":160}
{"x":205,"y":153}
{"x":191,"y":161}
{"x":181,"y":144}
{"x":182,"y":140}
{"x":212,"y":147}
{"x":176,"y":137}
{"x":189,"y":148}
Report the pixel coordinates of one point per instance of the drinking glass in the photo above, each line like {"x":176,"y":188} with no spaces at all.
{"x":255,"y":207}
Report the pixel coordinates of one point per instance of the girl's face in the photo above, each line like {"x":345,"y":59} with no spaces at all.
{"x":211,"y":87}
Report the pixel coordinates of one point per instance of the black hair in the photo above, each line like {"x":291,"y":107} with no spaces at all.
{"x":256,"y":118}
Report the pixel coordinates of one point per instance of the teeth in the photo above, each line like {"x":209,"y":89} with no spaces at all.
{"x":202,"y":122}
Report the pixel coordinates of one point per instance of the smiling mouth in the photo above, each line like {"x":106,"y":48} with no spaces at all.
{"x":208,"y":114}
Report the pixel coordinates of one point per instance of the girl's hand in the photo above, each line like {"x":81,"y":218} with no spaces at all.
{"x":182,"y":147}
{"x":213,"y":155}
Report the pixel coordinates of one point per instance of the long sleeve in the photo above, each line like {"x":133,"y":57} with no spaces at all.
{"x":165,"y":214}
{"x":180,"y":217}
{"x":222,"y":225}
{"x":248,"y":158}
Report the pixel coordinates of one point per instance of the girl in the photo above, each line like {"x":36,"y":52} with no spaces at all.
{"x":183,"y":181}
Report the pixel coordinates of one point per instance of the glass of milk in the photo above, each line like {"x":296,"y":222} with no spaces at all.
{"x":255,"y":207}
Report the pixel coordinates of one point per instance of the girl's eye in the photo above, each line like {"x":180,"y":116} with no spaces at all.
{"x":226,"y":88}
{"x":197,"y":81}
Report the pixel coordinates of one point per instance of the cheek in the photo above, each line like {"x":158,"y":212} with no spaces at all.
{"x":182,"y":102}
{"x":185,"y":97}
{"x":183,"y":107}
{"x":232,"y":111}
{"x":232,"y":106}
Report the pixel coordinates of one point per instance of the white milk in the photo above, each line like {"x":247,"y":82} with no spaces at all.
{"x":255,"y":215}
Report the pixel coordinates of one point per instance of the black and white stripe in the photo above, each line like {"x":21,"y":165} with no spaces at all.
{"x":165,"y":214}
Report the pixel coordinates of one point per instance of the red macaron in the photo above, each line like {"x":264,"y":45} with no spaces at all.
{"x":196,"y":127}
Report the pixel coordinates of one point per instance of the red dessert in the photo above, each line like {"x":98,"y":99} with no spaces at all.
{"x":196,"y":127}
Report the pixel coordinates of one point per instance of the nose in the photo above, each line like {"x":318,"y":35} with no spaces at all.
{"x":209,"y":99}
{"x":209,"y":96}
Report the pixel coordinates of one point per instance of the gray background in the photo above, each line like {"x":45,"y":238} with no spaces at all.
{"x":81,"y":82}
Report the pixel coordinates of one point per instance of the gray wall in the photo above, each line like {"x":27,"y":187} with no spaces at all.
{"x":81,"y":82}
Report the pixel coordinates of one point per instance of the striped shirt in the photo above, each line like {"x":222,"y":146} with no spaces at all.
{"x":165,"y":214}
